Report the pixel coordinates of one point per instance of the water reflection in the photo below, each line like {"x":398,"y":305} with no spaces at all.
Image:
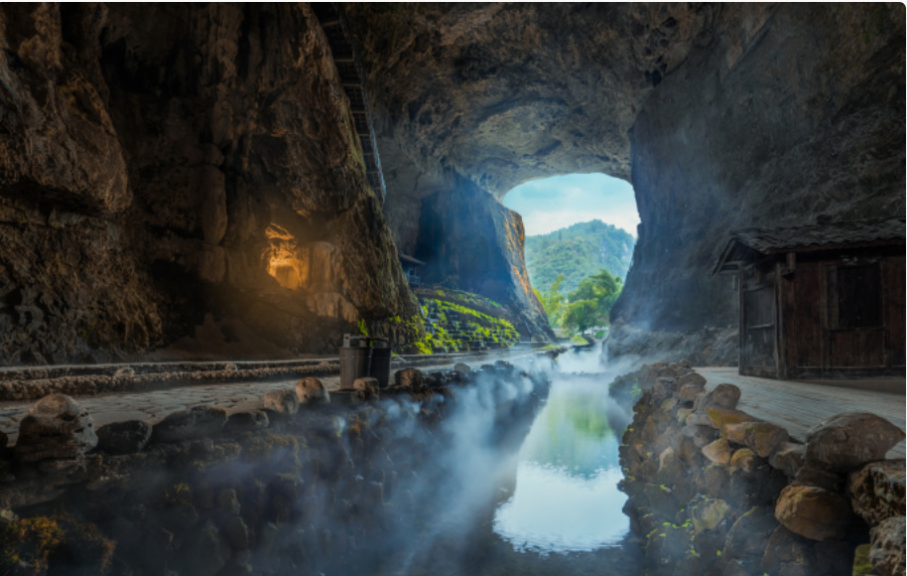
{"x":565,"y":497}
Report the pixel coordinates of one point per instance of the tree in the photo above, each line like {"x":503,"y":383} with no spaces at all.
{"x":590,"y":304}
{"x":552,"y":301}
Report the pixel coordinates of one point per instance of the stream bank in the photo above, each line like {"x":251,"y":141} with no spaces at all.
{"x":714,"y":491}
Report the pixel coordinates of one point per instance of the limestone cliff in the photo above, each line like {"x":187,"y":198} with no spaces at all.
{"x":721,"y":115}
{"x":183,"y":178}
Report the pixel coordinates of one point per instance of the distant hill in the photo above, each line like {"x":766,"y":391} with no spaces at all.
{"x":576,"y":252}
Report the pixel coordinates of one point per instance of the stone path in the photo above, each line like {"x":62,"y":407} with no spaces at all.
{"x":152,"y":406}
{"x":798,"y":405}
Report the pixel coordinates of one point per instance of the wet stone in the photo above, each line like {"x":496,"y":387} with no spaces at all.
{"x":723,"y":396}
{"x":763,"y":438}
{"x":813,"y":512}
{"x":877,"y":491}
{"x":247,"y":421}
{"x":888,"y":546}
{"x":718,"y":452}
{"x":311,"y":391}
{"x":126,"y":437}
{"x":282,"y":401}
{"x":55,"y":427}
{"x":197,"y":422}
{"x":847,"y":441}
{"x":368,"y":386}
{"x":788,"y":458}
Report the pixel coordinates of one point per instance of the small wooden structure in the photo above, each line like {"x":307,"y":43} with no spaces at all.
{"x":823,"y":300}
{"x":411,"y":269}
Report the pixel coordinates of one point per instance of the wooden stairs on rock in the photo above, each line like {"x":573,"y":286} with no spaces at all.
{"x":332,"y":21}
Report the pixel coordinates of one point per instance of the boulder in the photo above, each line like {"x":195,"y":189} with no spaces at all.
{"x":862,"y":565}
{"x":462,"y":368}
{"x":809,"y":475}
{"x":887,"y":546}
{"x":744,"y":460}
{"x":409,"y":378}
{"x":788,"y":554}
{"x":692,"y":379}
{"x":719,"y":417}
{"x":126,"y":437}
{"x":761,"y":437}
{"x":750,"y":534}
{"x":282,"y":401}
{"x":877,"y":491}
{"x":197,"y":422}
{"x":55,"y":427}
{"x":311,"y":391}
{"x":689,"y":393}
{"x":788,"y":458}
{"x":723,"y":396}
{"x":347,"y":397}
{"x":368,"y":386}
{"x":698,"y":419}
{"x":847,"y":441}
{"x":718,"y":452}
{"x":247,"y":421}
{"x":706,"y":513}
{"x":813,"y":512}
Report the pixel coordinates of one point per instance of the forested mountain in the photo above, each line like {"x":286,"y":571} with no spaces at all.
{"x":578,"y":251}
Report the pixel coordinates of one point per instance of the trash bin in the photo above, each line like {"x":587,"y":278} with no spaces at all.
{"x":361,"y":356}
{"x":380,"y":367}
{"x":354,"y":356}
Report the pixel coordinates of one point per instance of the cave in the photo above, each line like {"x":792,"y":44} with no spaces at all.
{"x":201,"y":194}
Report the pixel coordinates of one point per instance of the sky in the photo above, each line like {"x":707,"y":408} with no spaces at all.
{"x":552,"y":203}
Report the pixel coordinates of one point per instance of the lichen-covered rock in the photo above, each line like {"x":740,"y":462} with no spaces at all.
{"x":707,"y":513}
{"x":788,"y":458}
{"x":813,"y":512}
{"x":368,"y":386}
{"x":877,"y":491}
{"x":689,"y":393}
{"x":763,"y":438}
{"x":282,"y":401}
{"x":719,"y":417}
{"x":55,"y":427}
{"x":750,"y":534}
{"x":862,"y":565}
{"x":692,"y":379}
{"x":744,"y":460}
{"x":246,"y":421}
{"x":723,"y":396}
{"x":888,"y":546}
{"x":126,"y":437}
{"x":409,"y":378}
{"x":847,"y":441}
{"x":719,"y":452}
{"x":809,"y":475}
{"x":787,"y":554}
{"x":311,"y":391}
{"x":197,"y":422}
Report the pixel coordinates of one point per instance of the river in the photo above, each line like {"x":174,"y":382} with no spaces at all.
{"x":550,"y":507}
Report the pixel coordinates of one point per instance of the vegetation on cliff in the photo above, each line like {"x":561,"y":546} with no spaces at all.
{"x":577,"y":252}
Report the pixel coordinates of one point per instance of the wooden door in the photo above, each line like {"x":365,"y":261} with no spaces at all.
{"x":759,"y":338}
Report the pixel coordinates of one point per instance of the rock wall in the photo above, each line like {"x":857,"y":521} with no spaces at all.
{"x":310,"y":483}
{"x":714,"y":491}
{"x":181,"y":179}
{"x":721,"y":116}
{"x":471,"y":242}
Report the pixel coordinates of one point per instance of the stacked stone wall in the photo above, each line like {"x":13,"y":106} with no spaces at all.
{"x":715,"y":491}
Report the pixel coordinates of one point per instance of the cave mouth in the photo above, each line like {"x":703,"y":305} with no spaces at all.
{"x":556,"y":202}
{"x":576,"y":226}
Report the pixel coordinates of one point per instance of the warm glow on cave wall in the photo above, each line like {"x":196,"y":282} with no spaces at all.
{"x":283,"y":258}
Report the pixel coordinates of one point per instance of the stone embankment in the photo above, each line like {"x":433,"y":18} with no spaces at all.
{"x":313,"y":481}
{"x":714,"y":491}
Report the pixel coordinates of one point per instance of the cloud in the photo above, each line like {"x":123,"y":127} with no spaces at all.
{"x":554,"y":203}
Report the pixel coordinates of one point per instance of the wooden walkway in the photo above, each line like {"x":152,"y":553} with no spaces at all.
{"x":798,"y":405}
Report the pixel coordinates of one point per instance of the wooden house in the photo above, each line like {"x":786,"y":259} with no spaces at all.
{"x":822,"y":300}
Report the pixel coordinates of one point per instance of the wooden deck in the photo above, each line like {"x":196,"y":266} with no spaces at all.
{"x":798,"y":405}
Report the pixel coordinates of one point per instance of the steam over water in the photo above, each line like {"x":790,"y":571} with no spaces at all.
{"x":548,"y":506}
